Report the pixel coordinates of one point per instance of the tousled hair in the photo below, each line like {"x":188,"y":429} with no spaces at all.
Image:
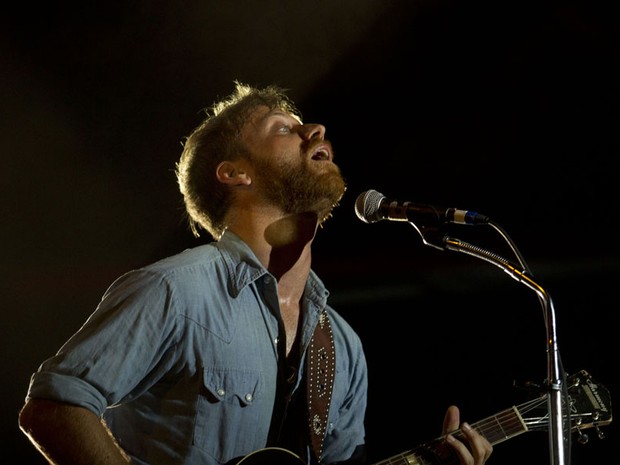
{"x":215,"y":140}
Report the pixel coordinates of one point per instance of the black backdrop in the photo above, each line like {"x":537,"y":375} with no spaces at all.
{"x":509,"y":109}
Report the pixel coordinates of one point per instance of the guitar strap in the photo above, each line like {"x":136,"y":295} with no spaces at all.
{"x":320,"y":371}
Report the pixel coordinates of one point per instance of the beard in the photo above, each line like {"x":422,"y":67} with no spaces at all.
{"x":302,"y":187}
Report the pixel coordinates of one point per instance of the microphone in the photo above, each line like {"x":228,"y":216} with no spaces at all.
{"x":372,"y":206}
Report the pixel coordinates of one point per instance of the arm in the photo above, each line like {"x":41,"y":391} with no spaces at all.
{"x":69,"y":435}
{"x":477,"y":451}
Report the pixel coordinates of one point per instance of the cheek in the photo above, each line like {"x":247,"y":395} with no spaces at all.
{"x":287,"y":162}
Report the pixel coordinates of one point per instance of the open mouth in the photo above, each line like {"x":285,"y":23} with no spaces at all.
{"x":321,"y":154}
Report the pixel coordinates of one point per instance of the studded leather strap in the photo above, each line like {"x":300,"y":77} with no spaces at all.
{"x":320,"y":371}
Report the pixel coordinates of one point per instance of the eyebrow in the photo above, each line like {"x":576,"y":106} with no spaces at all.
{"x":279,"y":112}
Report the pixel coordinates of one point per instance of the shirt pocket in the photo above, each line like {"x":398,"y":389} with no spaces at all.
{"x":232,"y":418}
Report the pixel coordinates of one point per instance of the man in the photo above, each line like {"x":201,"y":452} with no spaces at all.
{"x":229,"y":348}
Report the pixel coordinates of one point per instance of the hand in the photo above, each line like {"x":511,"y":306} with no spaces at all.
{"x":476,"y":450}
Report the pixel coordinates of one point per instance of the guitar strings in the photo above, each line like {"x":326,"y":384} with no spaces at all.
{"x":508,"y":423}
{"x":495,"y":429}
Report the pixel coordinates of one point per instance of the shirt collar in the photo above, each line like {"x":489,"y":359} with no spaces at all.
{"x":244,"y":268}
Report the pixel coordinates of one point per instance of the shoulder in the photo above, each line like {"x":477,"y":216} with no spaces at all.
{"x":345,"y":335}
{"x":189,"y":267}
{"x":185,"y":261}
{"x":159,"y":280}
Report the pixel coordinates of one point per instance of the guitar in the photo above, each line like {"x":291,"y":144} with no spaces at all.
{"x":589,"y":406}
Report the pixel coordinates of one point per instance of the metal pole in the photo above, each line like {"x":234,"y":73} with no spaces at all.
{"x":554,"y":373}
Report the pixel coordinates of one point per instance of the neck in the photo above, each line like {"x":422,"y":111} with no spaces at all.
{"x":282,"y":245}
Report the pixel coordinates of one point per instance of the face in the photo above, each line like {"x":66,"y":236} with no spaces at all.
{"x":293,"y":163}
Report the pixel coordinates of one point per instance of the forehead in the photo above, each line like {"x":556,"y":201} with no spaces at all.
{"x":262,"y":115}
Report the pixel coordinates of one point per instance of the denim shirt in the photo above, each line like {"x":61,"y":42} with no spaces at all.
{"x":180,"y":358}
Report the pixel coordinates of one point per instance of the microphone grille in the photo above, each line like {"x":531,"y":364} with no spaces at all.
{"x":367,"y":206}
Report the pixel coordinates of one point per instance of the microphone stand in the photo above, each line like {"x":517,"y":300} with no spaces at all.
{"x":555,"y":376}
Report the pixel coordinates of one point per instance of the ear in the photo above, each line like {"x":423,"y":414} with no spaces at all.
{"x":229,"y":172}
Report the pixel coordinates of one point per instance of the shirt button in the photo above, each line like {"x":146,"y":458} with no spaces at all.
{"x":248,"y":397}
{"x":275,"y":341}
{"x":221,"y":392}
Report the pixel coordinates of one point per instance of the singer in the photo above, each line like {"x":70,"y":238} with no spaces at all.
{"x":230,"y":349}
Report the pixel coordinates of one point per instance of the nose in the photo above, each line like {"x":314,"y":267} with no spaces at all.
{"x":312,"y":130}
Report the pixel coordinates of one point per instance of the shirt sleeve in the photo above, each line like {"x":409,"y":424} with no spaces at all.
{"x":110,"y":357}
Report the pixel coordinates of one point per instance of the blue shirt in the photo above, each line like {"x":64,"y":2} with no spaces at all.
{"x":180,"y":358}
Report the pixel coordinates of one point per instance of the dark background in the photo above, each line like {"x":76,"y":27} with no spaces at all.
{"x":510,"y":109}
